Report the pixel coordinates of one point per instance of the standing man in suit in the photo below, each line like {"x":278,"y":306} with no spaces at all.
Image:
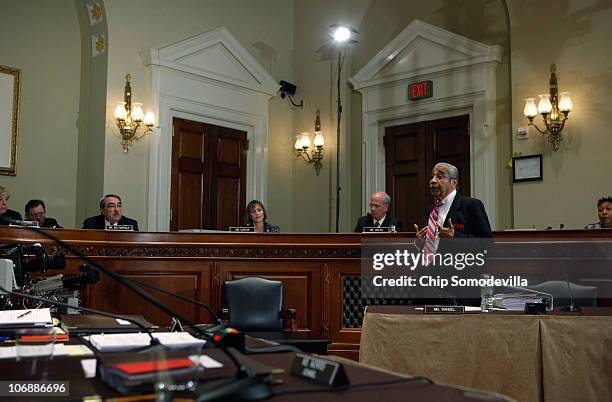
{"x":111,"y":214}
{"x":452,"y":217}
{"x":35,"y":210}
{"x":379,"y":205}
{"x":458,"y":216}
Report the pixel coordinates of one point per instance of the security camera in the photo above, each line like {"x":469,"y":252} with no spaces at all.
{"x":286,"y":88}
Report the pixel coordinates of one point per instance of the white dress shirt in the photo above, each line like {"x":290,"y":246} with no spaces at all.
{"x":445,"y":207}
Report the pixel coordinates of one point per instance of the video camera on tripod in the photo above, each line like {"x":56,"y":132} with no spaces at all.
{"x":23,"y":260}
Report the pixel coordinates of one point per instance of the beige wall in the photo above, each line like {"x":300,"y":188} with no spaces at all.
{"x":264,"y":28}
{"x":289,"y":39}
{"x":574,"y":35}
{"x":378,"y":22}
{"x":42,"y":39}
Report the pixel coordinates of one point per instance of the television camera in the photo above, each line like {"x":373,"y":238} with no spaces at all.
{"x":24,"y":263}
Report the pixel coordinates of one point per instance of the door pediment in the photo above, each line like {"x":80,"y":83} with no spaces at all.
{"x":215,"y":55}
{"x":422,"y":49}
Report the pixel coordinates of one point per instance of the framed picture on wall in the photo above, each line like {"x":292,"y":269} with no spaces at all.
{"x":9,"y":119}
{"x":527,"y":168}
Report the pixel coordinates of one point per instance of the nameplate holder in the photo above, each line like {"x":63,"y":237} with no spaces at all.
{"x":535,"y":307}
{"x":322,"y":371}
{"x":126,"y":228}
{"x":23,"y":223}
{"x":444,"y":310}
{"x":374,"y":229}
{"x":241,"y":229}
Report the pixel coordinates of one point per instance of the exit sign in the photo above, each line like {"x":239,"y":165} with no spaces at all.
{"x":420,"y":90}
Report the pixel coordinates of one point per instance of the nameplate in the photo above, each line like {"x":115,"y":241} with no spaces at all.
{"x":23,"y":223}
{"x":322,"y":371}
{"x":120,"y":227}
{"x":444,"y":310}
{"x":241,"y":229}
{"x":374,"y":229}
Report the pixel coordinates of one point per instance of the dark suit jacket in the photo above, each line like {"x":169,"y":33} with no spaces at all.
{"x":469,"y":218}
{"x":97,"y":222}
{"x":50,"y":223}
{"x":10,"y":215}
{"x":368,"y":221}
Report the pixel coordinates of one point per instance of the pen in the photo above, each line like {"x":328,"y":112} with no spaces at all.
{"x":24,"y":314}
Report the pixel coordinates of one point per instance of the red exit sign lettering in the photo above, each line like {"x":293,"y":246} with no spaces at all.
{"x":420,"y":90}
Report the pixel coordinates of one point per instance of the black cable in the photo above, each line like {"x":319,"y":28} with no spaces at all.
{"x":183,"y":298}
{"x":119,"y":278}
{"x":352,"y":386}
{"x":154,"y":341}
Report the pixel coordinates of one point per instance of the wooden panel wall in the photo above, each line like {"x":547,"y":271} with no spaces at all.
{"x":311,"y":266}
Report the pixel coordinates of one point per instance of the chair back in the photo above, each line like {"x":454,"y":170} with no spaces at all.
{"x":583,"y":296}
{"x":254,"y":304}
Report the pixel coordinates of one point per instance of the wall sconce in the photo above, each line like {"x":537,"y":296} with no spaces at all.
{"x":302,"y":144}
{"x":553,"y":108}
{"x":130,"y":116}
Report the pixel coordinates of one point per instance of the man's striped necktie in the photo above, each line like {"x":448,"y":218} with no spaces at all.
{"x":430,"y":235}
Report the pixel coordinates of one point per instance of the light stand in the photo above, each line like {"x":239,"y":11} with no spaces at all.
{"x":341,"y":34}
{"x":339,"y":113}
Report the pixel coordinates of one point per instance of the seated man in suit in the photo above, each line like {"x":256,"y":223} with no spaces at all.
{"x":35,"y":210}
{"x":7,"y":215}
{"x":111,"y":214}
{"x":377,"y":217}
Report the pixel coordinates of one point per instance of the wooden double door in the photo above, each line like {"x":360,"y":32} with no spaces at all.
{"x":411,"y":151}
{"x":208,"y":186}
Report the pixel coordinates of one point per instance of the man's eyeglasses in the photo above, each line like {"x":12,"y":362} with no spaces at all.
{"x":112,"y":206}
{"x":37,"y":214}
{"x":375,"y":205}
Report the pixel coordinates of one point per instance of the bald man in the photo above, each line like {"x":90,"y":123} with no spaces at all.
{"x":378,"y":217}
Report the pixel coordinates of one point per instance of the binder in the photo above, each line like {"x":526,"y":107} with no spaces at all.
{"x":86,"y":324}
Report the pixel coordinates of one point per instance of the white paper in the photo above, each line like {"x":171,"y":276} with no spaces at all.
{"x":207,"y":362}
{"x":122,"y":322}
{"x":123,"y":342}
{"x":89,"y":367}
{"x":78,"y":350}
{"x":10,"y":352}
{"x":29,"y":317}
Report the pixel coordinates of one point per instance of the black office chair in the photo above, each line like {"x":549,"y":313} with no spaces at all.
{"x":583,"y":296}
{"x":256,"y":305}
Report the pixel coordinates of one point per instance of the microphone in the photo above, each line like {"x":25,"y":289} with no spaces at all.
{"x":183,"y":298}
{"x":244,"y":382}
{"x":572,"y":308}
{"x":81,"y":308}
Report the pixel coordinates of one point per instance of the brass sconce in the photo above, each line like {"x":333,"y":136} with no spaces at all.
{"x":302,"y":145}
{"x":553,"y":108}
{"x":130,"y":116}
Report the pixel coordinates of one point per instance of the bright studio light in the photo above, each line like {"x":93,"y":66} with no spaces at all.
{"x":341,"y":34}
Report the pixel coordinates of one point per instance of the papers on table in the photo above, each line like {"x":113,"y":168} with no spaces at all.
{"x":89,"y":367}
{"x":40,"y":317}
{"x":124,"y":342}
{"x":10,"y":352}
{"x":208,"y":362}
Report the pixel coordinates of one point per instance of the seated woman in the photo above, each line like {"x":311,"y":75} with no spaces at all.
{"x":604,"y":211}
{"x":6,"y":214}
{"x":256,"y":217}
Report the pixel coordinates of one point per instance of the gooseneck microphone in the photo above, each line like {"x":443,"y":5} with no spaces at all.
{"x":183,"y":298}
{"x":572,"y":308}
{"x":244,"y":381}
{"x":153,"y":340}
